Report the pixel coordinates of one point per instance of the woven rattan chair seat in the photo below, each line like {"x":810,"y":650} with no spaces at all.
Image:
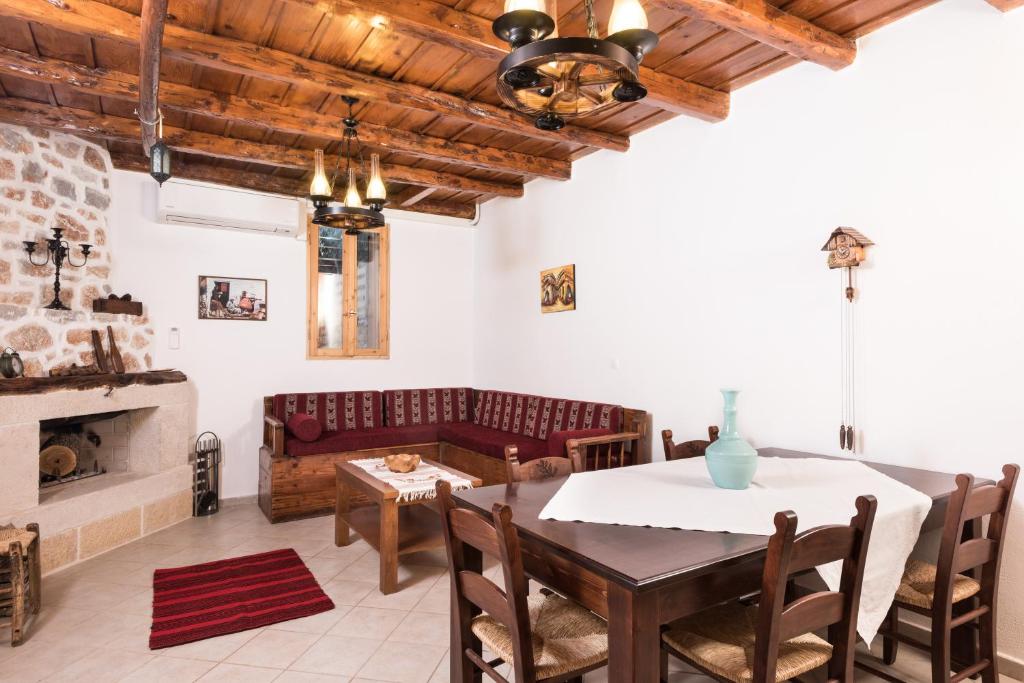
{"x":918,"y":585}
{"x":566,"y":637}
{"x":721,"y":640}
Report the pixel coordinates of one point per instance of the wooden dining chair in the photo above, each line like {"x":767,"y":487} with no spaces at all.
{"x":687,"y":449}
{"x":534,"y":470}
{"x":774,"y":640}
{"x":544,"y":637}
{"x":603,"y":452}
{"x":967,"y":570}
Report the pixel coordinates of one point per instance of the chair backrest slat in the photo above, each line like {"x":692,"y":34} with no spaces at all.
{"x":468,"y":537}
{"x":975,"y":553}
{"x":984,"y":500}
{"x":686,"y":449}
{"x":484,"y":594}
{"x":821,"y":546}
{"x":789,"y":554}
{"x":534,"y":470}
{"x":470,"y":528}
{"x":811,"y":613}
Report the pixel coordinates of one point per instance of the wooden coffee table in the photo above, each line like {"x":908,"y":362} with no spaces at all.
{"x":391,"y":527}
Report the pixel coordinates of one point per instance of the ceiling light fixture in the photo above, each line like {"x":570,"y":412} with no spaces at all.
{"x":351,"y":215}
{"x":554,"y":78}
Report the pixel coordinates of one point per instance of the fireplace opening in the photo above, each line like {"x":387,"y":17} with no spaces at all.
{"x":82,"y":446}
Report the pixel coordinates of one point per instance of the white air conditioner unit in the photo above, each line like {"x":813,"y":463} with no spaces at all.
{"x":204,"y":205}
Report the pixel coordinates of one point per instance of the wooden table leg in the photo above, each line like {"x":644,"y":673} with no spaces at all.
{"x":341,"y":508}
{"x":634,"y":637}
{"x":388,"y":546}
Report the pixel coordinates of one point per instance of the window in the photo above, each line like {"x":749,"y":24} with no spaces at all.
{"x":348,"y":293}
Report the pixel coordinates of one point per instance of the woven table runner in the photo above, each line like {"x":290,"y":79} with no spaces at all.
{"x":415,"y":485}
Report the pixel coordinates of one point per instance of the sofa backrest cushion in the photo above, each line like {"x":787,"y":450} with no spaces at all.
{"x":538,"y":417}
{"x":406,"y":407}
{"x":335,"y":411}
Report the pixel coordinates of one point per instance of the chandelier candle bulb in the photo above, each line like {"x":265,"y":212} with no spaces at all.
{"x":352,"y":198}
{"x":320,"y":188}
{"x":627,"y":15}
{"x":376,"y":193}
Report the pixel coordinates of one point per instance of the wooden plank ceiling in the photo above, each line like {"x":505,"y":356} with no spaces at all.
{"x":250,"y":87}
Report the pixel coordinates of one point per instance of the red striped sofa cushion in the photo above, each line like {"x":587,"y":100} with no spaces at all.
{"x":538,"y":417}
{"x":406,"y":407}
{"x":335,"y":411}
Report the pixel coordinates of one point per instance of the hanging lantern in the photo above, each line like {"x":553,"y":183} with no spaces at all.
{"x":160,"y":156}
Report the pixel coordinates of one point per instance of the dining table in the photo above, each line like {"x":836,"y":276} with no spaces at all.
{"x":641,"y":578}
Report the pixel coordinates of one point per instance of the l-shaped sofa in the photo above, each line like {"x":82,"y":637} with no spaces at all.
{"x":306,"y":435}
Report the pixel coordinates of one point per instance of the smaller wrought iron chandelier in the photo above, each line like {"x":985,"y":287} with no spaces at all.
{"x":351,"y":214}
{"x":58,"y":252}
{"x":555,"y":79}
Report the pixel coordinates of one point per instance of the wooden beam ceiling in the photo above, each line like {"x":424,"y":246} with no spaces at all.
{"x":97,"y":20}
{"x":772,"y":26}
{"x":267,"y":183}
{"x":437,"y":23}
{"x":261,"y":113}
{"x":92,"y":124}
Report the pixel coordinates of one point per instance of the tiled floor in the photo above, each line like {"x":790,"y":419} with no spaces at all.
{"x":94,"y":625}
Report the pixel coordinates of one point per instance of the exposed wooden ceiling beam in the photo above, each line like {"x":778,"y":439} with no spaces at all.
{"x":1006,"y":5}
{"x":91,"y":124}
{"x":152,"y":27}
{"x":414,"y":196}
{"x":434,"y":22}
{"x":770,"y":25}
{"x":268,"y":183}
{"x":97,"y":20}
{"x":118,"y":85}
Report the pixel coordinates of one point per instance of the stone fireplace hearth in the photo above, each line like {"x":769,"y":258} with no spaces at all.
{"x":148,"y":484}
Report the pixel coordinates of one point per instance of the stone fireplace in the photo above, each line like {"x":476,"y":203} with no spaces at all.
{"x":144,"y":447}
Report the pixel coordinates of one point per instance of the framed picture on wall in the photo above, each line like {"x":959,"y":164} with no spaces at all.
{"x":232,"y":298}
{"x":558,"y":289}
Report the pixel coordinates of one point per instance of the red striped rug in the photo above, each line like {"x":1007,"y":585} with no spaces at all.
{"x":227,"y":596}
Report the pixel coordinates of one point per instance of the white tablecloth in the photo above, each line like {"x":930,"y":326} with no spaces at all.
{"x":681,"y":495}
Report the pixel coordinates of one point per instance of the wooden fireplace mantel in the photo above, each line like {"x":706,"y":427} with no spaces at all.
{"x":44,"y":385}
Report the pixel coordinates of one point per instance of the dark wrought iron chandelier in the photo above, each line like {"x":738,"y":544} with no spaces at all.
{"x":555,"y":78}
{"x":350,"y":214}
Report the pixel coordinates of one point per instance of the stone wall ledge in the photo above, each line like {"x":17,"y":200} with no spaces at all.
{"x":36,"y":407}
{"x":114,"y":493}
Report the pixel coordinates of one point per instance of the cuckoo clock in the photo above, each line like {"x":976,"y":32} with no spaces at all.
{"x":845,"y":247}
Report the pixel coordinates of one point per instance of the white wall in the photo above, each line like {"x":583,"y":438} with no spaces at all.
{"x":698,"y":262}
{"x":233,"y":364}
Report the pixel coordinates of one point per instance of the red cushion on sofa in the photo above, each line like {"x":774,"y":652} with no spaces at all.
{"x":404,"y":407}
{"x":538,"y":417}
{"x":357,"y":440}
{"x":304,"y":427}
{"x":335,"y":411}
{"x":491,"y":442}
{"x":556,"y":442}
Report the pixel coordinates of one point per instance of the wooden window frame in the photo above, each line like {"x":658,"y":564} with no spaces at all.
{"x":348,"y":348}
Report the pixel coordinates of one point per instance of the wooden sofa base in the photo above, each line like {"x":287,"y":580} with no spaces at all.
{"x":293,"y":488}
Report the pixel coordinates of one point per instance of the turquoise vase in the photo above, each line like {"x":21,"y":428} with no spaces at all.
{"x":731,"y":461}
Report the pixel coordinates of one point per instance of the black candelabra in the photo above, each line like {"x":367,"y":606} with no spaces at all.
{"x":58,"y":251}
